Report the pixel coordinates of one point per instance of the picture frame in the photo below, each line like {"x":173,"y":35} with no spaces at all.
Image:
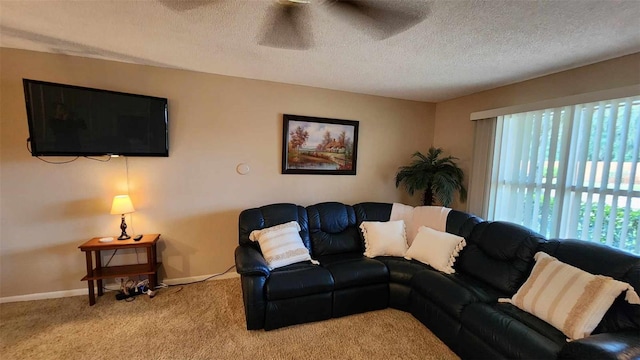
{"x":319,"y":146}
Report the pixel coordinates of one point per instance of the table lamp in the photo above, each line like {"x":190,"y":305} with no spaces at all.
{"x":122,"y":205}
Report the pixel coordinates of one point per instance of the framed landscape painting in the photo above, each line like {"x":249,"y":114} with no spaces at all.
{"x":312,"y":145}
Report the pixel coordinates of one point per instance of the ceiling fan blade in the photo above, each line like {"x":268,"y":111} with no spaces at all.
{"x":286,"y":28}
{"x":385,"y":19}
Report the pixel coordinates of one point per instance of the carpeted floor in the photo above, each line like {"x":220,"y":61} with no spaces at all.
{"x":200,"y":321}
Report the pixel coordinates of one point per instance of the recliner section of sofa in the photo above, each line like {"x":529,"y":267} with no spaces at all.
{"x":345,"y":283}
{"x":618,"y":334}
{"x":496,"y":261}
{"x":508,"y":331}
{"x":297,"y":293}
{"x":503,"y":329}
{"x":360,"y":283}
{"x":289,"y":295}
{"x":460,"y":308}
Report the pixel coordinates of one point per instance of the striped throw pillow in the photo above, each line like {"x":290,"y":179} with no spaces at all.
{"x":572,"y":300}
{"x":281,"y":245}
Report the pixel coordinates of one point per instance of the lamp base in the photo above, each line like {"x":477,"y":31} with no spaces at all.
{"x":123,"y":227}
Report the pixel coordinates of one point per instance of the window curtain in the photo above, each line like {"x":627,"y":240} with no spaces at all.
{"x":479,"y":181}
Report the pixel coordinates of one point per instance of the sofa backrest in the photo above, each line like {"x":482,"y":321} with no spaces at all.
{"x":461,"y":223}
{"x":271,"y":215}
{"x":604,"y":260}
{"x":500,"y":254}
{"x":458,"y":222}
{"x":333,"y":229}
{"x":372,"y":211}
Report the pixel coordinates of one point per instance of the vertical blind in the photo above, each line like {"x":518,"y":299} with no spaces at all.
{"x":571,"y":172}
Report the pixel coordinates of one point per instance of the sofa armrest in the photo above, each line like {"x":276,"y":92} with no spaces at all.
{"x":623,"y":345}
{"x":249,"y":262}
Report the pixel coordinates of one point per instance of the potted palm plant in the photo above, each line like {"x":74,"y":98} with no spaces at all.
{"x":439,"y":177}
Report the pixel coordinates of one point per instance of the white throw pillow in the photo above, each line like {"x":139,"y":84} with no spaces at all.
{"x":281,"y":245}
{"x":384,"y":238}
{"x":572,"y":300}
{"x":436,"y":248}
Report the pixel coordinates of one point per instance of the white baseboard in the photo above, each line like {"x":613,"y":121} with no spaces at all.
{"x":47,"y":295}
{"x":85,"y":291}
{"x":186,"y":280}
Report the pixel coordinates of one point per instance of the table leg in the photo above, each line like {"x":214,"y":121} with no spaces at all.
{"x":92,"y":296}
{"x":154,"y":256}
{"x":152,"y":264}
{"x":99,"y":267}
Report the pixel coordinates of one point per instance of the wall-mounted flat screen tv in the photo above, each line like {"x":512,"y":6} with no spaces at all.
{"x":66,"y":120}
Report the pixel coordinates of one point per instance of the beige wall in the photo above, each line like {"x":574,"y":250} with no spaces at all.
{"x":454,"y":131}
{"x":194,"y":196}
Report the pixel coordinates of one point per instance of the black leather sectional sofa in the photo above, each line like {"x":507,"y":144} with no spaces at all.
{"x":460,"y":308}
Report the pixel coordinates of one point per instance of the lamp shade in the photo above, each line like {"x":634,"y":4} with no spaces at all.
{"x":121,"y":205}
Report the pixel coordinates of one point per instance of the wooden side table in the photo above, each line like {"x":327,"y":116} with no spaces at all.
{"x":98,"y":273}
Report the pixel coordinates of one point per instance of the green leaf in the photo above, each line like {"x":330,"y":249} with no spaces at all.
{"x":442,"y":175}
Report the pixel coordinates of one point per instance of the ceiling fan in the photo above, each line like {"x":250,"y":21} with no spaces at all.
{"x":288,"y":27}
{"x":287,"y":24}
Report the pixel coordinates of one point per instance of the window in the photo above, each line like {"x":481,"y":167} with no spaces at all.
{"x":570,"y":172}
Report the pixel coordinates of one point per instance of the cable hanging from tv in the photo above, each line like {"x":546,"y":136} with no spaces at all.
{"x":67,"y":161}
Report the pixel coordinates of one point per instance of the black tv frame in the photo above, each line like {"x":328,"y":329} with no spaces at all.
{"x":36,"y":153}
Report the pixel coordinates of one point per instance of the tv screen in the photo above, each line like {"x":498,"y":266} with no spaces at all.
{"x":66,"y":120}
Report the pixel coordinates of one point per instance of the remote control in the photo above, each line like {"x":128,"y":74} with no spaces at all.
{"x":137,"y":238}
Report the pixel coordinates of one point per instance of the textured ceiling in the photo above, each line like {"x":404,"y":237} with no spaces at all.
{"x":460,"y":47}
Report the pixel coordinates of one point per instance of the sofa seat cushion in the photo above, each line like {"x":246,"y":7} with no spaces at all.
{"x":351,"y":270}
{"x":452,"y":292}
{"x":297,"y":280}
{"x":611,"y":345}
{"x":513,"y":332}
{"x":401,"y":270}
